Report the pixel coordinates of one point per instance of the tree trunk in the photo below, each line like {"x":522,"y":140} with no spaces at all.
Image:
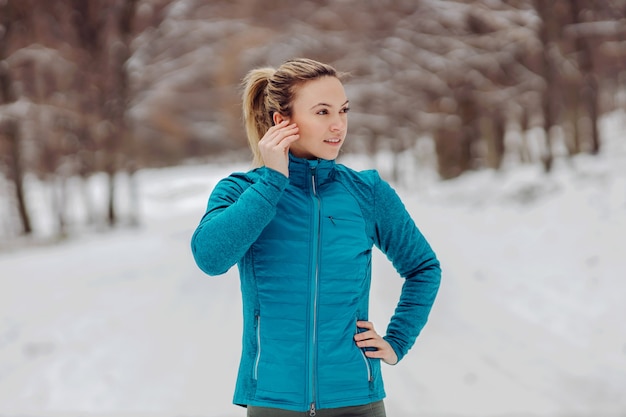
{"x":111,"y":216}
{"x":11,"y":128}
{"x":589,"y":91}
{"x":549,"y":73}
{"x":467,"y":113}
{"x":10,"y":131}
{"x":493,"y":129}
{"x":119,"y":150}
{"x":572,"y":114}
{"x":448,"y":151}
{"x":590,"y":96}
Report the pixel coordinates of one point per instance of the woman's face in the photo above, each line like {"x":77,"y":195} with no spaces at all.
{"x":320,"y":110}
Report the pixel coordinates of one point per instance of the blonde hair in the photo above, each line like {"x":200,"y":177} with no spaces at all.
{"x":268,"y":90}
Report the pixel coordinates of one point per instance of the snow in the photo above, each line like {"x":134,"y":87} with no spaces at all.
{"x":529,"y":320}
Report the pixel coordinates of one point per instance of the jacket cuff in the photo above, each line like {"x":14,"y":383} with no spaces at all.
{"x":395,"y":348}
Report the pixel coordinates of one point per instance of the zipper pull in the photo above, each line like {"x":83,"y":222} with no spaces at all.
{"x":314,"y":187}
{"x":312,"y":410}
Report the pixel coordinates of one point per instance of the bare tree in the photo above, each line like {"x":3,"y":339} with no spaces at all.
{"x":548,"y":70}
{"x":10,"y":142}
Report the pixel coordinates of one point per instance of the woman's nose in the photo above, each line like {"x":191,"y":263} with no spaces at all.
{"x":338,"y":124}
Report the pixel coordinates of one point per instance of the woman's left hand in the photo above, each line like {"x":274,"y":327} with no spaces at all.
{"x":370,"y":338}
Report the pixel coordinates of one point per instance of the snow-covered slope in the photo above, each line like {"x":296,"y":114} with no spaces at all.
{"x":529,"y":320}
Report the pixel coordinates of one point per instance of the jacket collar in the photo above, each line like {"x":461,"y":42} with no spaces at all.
{"x":300,"y":170}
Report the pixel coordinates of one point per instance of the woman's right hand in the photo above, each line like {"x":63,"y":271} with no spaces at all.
{"x":274,"y":146}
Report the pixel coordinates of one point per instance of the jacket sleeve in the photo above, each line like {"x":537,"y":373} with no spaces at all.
{"x":237,"y":212}
{"x":399,"y":238}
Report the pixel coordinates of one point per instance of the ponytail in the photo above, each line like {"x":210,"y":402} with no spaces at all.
{"x":256,"y":115}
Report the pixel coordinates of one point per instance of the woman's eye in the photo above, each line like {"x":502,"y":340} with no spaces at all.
{"x":325,"y":111}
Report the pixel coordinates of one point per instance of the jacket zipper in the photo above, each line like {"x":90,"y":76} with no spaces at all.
{"x":314,"y":293}
{"x":258,"y":347}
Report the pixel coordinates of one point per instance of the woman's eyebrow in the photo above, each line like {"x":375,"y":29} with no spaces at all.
{"x":329,"y":105}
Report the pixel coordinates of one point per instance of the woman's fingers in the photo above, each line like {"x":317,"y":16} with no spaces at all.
{"x":278,"y":140}
{"x":278,"y":133}
{"x":362,"y":324}
{"x":371,"y":339}
{"x":274,"y":146}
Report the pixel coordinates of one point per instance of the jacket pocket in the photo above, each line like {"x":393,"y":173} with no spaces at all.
{"x":257,"y":359}
{"x":366,"y":360}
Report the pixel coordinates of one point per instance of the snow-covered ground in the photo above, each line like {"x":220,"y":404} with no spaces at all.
{"x":530,"y":320}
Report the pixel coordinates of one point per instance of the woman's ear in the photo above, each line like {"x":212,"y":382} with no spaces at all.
{"x":278,"y":118}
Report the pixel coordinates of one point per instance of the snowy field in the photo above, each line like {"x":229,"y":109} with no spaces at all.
{"x":530,"y":320}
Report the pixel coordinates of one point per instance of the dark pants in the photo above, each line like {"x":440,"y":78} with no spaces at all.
{"x":376,"y":409}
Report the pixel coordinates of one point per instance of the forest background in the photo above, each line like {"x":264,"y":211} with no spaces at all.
{"x":103,"y":88}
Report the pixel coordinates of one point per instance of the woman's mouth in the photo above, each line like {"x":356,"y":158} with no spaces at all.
{"x":333,"y":141}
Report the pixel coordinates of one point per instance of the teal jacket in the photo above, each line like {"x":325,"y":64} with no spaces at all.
{"x":303,"y":246}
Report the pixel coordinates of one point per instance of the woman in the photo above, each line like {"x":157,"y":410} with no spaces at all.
{"x":301,"y":229}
